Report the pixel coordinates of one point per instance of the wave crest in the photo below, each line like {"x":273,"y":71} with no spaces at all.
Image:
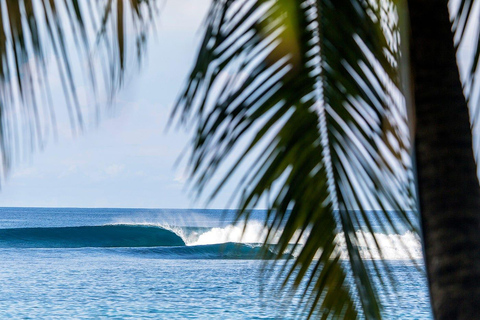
{"x":405,"y":246}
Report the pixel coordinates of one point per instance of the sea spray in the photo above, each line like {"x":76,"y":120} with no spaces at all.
{"x":252,"y":232}
{"x":405,"y":246}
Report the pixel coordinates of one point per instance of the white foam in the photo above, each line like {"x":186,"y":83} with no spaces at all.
{"x":253,"y":232}
{"x":393,"y":246}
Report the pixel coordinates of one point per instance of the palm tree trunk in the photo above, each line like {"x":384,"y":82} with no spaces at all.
{"x":449,"y":192}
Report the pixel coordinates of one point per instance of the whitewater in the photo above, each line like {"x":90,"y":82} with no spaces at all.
{"x":154,"y":263}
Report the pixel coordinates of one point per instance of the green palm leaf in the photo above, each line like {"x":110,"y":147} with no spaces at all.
{"x":313,"y":87}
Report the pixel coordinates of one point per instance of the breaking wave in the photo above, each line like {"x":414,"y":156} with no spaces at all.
{"x":242,"y":241}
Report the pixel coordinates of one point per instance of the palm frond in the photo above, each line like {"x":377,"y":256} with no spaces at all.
{"x":465,"y":15}
{"x":313,"y":88}
{"x":73,"y":32}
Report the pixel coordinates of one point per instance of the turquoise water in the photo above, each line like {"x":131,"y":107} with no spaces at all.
{"x":158,"y":264}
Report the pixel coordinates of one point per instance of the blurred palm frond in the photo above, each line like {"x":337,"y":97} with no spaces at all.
{"x":314,"y":90}
{"x":80,"y":43}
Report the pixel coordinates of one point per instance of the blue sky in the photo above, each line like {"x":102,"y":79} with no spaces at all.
{"x":128,"y":161}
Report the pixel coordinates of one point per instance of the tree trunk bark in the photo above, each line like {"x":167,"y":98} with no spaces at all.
{"x":449,"y":192}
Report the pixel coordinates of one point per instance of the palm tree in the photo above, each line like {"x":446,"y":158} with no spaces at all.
{"x":449,"y":194}
{"x":324,"y":90}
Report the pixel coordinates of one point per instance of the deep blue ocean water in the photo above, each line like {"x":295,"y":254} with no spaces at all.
{"x":62,"y":263}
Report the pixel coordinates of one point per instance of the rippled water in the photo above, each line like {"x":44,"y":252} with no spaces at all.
{"x":130,"y":282}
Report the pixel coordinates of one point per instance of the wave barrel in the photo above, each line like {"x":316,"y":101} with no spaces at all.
{"x":89,"y":236}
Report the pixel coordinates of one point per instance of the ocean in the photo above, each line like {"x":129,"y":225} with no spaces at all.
{"x":79,"y":263}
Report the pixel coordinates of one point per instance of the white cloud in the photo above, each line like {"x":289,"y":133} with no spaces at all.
{"x":71,"y":169}
{"x":114,"y":169}
{"x":181,"y":177}
{"x":26,"y":172}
